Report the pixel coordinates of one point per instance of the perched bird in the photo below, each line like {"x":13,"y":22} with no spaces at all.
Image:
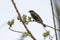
{"x":36,"y":17}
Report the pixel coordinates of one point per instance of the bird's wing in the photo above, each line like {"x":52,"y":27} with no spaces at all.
{"x":38,"y":18}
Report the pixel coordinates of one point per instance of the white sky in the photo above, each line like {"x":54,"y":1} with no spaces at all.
{"x":7,"y":12}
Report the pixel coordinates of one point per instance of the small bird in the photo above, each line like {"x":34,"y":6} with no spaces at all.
{"x":36,"y":17}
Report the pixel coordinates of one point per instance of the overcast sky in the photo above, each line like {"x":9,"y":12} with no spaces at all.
{"x":7,"y":12}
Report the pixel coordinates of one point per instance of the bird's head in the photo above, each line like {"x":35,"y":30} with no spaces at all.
{"x":31,"y":12}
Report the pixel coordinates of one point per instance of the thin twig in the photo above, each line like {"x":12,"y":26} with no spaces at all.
{"x":52,"y":27}
{"x":50,"y":37}
{"x":22,"y":20}
{"x":15,"y":30}
{"x":46,"y":26}
{"x":54,"y":19}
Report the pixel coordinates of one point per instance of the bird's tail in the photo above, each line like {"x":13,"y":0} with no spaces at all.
{"x":44,"y":25}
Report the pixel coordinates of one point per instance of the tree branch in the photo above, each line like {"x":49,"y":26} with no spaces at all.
{"x":52,"y":27}
{"x":22,"y":20}
{"x":54,"y":19}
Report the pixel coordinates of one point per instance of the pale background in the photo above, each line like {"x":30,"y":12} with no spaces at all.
{"x":7,"y":12}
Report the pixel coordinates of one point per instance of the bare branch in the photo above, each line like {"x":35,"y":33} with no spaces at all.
{"x":15,"y":30}
{"x":22,"y":20}
{"x":54,"y":19}
{"x":52,"y":27}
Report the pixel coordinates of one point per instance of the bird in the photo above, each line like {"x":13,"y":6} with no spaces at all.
{"x":36,"y":17}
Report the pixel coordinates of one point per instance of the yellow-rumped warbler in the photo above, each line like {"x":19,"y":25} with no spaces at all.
{"x":36,"y":17}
